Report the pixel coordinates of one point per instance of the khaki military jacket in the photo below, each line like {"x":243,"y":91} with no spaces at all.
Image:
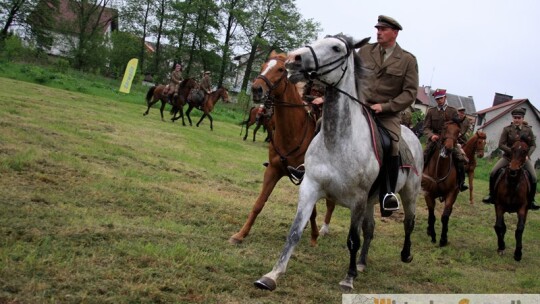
{"x":176,"y":77}
{"x":206,"y":85}
{"x":393,"y":84}
{"x":465,"y":127}
{"x":435,"y":119}
{"x":511,"y":134}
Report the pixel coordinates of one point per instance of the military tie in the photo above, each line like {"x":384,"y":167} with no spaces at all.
{"x":383,"y":52}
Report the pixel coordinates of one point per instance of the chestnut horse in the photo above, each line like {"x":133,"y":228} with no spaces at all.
{"x":209,"y":103}
{"x":294,"y":130}
{"x":472,"y":148}
{"x":511,"y":196}
{"x":155,"y":94}
{"x":265,"y":121}
{"x":439,"y":180}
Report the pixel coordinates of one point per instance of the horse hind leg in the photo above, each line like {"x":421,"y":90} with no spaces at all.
{"x":431,"y":219}
{"x":314,"y":229}
{"x":330,"y":206}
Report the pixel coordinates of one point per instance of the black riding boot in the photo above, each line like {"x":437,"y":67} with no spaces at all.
{"x":389,"y":201}
{"x":461,"y":175}
{"x":532,"y":192}
{"x":489,"y":199}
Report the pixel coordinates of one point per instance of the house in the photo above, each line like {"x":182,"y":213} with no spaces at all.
{"x":63,"y":27}
{"x":492,"y":120}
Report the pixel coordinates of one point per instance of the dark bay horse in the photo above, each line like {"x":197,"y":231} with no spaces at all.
{"x":511,"y":196}
{"x":155,"y":94}
{"x":439,"y":180}
{"x":341,"y":162}
{"x":472,"y":148}
{"x":264,"y":121}
{"x":184,"y":90}
{"x":294,"y":130}
{"x":209,"y":103}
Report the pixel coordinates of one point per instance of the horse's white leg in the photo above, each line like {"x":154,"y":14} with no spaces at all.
{"x":325,"y":229}
{"x":306,"y":204}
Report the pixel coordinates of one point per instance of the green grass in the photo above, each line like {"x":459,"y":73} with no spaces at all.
{"x":100,"y":204}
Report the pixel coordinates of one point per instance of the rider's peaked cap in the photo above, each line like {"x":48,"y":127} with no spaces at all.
{"x":385,"y":21}
{"x":439,"y":93}
{"x":519,"y":112}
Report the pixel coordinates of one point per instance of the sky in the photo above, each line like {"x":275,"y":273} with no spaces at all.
{"x":468,"y":47}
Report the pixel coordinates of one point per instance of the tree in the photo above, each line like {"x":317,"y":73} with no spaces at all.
{"x":136,"y":16}
{"x":274,"y":25}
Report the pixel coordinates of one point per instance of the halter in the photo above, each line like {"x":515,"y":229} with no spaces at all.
{"x":315,"y":75}
{"x":269,"y":101}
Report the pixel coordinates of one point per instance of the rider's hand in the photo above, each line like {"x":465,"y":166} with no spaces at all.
{"x":435,"y":137}
{"x":377,"y":108}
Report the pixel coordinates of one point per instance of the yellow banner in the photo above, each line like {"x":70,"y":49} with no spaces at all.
{"x":129,"y":74}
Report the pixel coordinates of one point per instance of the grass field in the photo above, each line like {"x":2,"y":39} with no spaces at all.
{"x":99,"y":204}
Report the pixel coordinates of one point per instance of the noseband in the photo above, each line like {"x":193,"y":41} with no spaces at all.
{"x":271,"y":86}
{"x":338,"y":63}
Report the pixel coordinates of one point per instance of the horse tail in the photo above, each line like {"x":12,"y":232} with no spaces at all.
{"x":150,"y":93}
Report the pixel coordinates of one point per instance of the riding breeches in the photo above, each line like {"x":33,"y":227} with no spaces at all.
{"x":503,"y":162}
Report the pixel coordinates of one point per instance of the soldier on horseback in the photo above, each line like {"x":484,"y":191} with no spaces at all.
{"x":433,"y":127}
{"x":515,"y":131}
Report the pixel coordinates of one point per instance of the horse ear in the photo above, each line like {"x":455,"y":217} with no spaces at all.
{"x":359,"y":44}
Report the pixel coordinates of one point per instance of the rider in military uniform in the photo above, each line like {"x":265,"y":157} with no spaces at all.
{"x":465,"y":126}
{"x":433,"y":127}
{"x":516,"y":130}
{"x":391,"y":76}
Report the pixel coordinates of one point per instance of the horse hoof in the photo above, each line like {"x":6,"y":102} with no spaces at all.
{"x":407,"y":259}
{"x":361,"y":267}
{"x":443,"y":243}
{"x":517,"y":258}
{"x":500,"y":252}
{"x":324,"y":230}
{"x":235,"y":241}
{"x":265,"y":283}
{"x":346,"y":285}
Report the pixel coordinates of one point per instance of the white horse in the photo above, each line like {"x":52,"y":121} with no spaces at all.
{"x":341,"y":163}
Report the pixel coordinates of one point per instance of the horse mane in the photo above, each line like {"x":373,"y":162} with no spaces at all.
{"x":184,"y":83}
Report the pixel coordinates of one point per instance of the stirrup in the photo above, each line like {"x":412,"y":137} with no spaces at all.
{"x":390,"y":196}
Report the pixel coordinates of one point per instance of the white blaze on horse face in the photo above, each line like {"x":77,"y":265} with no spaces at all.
{"x":272,"y":63}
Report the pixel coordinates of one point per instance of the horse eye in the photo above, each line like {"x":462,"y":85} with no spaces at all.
{"x":336,"y":48}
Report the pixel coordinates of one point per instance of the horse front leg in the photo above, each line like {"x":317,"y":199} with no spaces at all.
{"x":247,"y":132}
{"x":271,"y":177}
{"x":189,"y":112}
{"x":430,"y":202}
{"x":161,"y":110}
{"x":200,"y":120}
{"x":445,"y":218}
{"x":149,"y":104}
{"x":408,"y":226}
{"x":500,"y":230}
{"x":471,"y":187}
{"x":305,"y":208}
{"x":353,"y":244}
{"x":522,"y":217}
{"x":330,"y":206}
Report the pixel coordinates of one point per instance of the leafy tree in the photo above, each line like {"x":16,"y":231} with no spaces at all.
{"x":136,"y":19}
{"x":272,"y":25}
{"x":124,"y":47}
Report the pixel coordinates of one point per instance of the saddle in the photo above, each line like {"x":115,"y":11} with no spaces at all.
{"x":197,"y":97}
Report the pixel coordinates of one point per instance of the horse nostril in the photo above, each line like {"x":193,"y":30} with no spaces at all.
{"x":297,"y":59}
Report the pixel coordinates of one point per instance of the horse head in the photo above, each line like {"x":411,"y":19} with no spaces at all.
{"x":449,"y":136}
{"x":520,"y":151}
{"x":223,"y":93}
{"x":480,"y":143}
{"x":272,"y":79}
{"x":326,"y":60}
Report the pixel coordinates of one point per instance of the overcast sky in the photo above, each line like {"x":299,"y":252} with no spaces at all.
{"x":469,"y":47}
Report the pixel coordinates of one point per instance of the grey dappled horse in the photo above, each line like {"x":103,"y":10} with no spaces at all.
{"x":340,"y":162}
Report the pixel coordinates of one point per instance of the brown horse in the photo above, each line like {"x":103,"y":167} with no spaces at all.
{"x":294,"y":130}
{"x":184,"y":89}
{"x":439,"y":180}
{"x":155,"y":94}
{"x":209,"y":103}
{"x":265,"y":121}
{"x":511,"y":196}
{"x":472,"y":148}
